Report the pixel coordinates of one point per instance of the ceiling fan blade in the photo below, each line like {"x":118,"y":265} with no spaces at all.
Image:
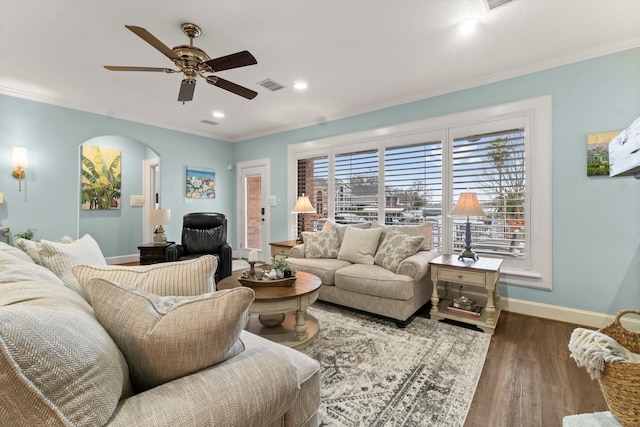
{"x":231,"y":87}
{"x":150,"y":38}
{"x":235,"y":60}
{"x":187,"y":87}
{"x":119,"y":68}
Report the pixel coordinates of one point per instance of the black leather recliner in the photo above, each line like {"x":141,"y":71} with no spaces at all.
{"x":204,"y":233}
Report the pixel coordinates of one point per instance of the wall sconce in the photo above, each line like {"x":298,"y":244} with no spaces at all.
{"x":159,"y":217}
{"x":19,"y":161}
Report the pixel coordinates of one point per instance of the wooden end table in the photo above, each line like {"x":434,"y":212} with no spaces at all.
{"x":279,"y":313}
{"x":485,"y":273}
{"x":153,"y":253}
{"x":282,"y":248}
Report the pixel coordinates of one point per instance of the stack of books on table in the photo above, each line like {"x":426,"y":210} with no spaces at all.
{"x":473,"y":311}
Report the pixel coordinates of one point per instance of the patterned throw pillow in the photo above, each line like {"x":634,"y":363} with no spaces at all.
{"x":165,"y":338}
{"x":324,"y":244}
{"x":418,"y":230}
{"x":395,"y":247}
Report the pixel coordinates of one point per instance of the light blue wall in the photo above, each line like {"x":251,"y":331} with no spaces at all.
{"x":50,"y":198}
{"x":596,"y":231}
{"x":596,"y":240}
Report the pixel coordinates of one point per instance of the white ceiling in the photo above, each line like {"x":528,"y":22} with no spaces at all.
{"x":356,"y":55}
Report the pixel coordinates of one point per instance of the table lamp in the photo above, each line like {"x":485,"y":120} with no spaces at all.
{"x":468,"y":205}
{"x":159,"y":217}
{"x":303,"y":206}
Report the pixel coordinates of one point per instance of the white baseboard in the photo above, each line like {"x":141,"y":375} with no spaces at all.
{"x":564,"y":314}
{"x":123,"y":259}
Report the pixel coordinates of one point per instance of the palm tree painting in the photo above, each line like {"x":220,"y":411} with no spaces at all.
{"x":101,"y":177}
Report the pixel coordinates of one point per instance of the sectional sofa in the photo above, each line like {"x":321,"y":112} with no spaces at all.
{"x":86,"y":344}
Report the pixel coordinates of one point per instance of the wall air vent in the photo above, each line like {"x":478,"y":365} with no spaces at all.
{"x":271,"y":85}
{"x":208,"y":122}
{"x":492,"y":4}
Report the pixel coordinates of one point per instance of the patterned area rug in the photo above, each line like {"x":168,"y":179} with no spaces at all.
{"x":375,"y":374}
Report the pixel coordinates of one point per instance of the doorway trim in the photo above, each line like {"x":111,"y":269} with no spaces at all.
{"x":240,"y":167}
{"x":150,"y":186}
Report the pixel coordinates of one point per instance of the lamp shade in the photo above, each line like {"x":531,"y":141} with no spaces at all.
{"x":19,"y":157}
{"x":160,"y":216}
{"x":468,"y":205}
{"x":303,"y":205}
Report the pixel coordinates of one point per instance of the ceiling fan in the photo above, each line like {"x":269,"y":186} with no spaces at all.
{"x":194,"y":62}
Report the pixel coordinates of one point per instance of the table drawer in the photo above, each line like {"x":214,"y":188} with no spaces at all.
{"x":458,"y":276}
{"x":280,"y":250}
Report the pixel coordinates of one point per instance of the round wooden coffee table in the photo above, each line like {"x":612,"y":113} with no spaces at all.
{"x":279,"y":313}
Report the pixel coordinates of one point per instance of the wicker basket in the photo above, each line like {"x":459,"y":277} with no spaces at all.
{"x":620,"y":381}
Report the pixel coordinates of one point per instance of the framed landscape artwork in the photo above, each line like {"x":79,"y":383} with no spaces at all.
{"x":101,"y":177}
{"x":201,"y":183}
{"x":598,"y":153}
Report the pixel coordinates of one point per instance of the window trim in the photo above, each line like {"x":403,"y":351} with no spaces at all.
{"x":538,"y":111}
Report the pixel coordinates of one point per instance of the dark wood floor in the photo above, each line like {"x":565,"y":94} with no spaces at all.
{"x":529,"y":380}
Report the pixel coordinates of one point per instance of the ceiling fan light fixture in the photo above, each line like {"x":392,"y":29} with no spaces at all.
{"x":187,"y":88}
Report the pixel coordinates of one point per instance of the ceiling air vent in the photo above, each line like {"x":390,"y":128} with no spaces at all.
{"x":492,"y":4}
{"x":208,"y":122}
{"x":271,"y":85}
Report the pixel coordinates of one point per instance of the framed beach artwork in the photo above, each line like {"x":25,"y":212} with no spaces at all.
{"x":101,"y":177}
{"x":201,"y":183}
{"x":598,"y":153}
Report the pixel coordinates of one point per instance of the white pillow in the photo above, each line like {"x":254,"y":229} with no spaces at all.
{"x":62,"y":257}
{"x":32,"y":248}
{"x":359,"y":245}
{"x":165,"y":338}
{"x":192,"y":277}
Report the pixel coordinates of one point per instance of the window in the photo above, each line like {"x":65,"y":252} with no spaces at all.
{"x":414,"y":173}
{"x":312,"y":179}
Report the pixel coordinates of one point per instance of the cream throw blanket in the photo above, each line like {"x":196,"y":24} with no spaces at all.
{"x":591,"y":349}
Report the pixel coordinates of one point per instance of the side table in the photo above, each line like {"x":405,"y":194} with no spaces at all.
{"x":485,"y":273}
{"x":282,"y":248}
{"x":153,"y":253}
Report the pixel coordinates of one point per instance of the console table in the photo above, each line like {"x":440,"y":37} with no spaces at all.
{"x":485,"y":273}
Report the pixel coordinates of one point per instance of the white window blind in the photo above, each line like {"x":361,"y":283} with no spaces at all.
{"x":356,"y":186}
{"x":492,"y":165}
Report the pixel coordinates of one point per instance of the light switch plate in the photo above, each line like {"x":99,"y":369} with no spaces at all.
{"x":272,"y":200}
{"x":136,"y":200}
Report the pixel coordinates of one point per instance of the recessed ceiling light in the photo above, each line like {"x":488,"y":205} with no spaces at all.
{"x":218,"y":114}
{"x":467,"y":26}
{"x":300,"y":85}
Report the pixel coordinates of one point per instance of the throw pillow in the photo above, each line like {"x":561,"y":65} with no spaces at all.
{"x":395,"y":247}
{"x":359,"y":245}
{"x":58,"y":366}
{"x":32,"y":248}
{"x":165,"y":338}
{"x":321,"y":245}
{"x":343,"y":227}
{"x":62,"y":257}
{"x":418,"y":230}
{"x":192,"y":277}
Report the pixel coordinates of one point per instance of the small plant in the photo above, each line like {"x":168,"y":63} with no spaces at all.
{"x":27,"y":234}
{"x":281,"y":264}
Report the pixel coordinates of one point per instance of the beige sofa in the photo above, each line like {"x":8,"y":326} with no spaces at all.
{"x":121,"y":360}
{"x":377,"y":269}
